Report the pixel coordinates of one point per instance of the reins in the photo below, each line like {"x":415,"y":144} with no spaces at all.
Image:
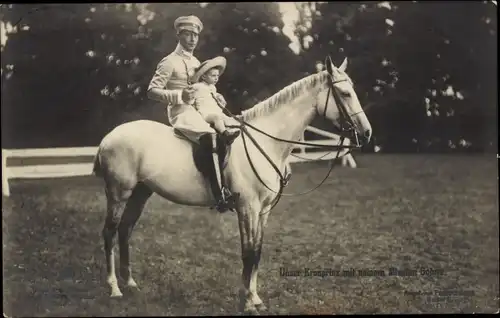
{"x":284,"y":180}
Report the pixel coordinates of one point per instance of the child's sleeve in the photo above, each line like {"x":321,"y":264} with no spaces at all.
{"x":200,"y":91}
{"x":220,"y":99}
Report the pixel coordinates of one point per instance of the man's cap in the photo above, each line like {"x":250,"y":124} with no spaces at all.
{"x":190,"y":23}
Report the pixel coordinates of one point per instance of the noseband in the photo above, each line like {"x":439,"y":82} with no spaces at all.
{"x":345,"y":121}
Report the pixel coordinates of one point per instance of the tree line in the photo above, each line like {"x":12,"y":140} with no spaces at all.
{"x":427,"y":72}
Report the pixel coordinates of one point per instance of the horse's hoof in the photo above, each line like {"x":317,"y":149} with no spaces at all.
{"x":261,"y":307}
{"x":116,"y":294}
{"x":251,"y":312}
{"x":132,"y":284}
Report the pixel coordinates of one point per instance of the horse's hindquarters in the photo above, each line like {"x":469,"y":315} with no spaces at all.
{"x":149,"y":152}
{"x":173,"y":174}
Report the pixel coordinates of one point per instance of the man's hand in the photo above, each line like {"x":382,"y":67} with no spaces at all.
{"x":188,"y":94}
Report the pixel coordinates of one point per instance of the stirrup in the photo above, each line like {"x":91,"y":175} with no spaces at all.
{"x":228,"y":200}
{"x":226,"y":193}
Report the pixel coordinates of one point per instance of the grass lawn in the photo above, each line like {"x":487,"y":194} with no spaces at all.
{"x":433,"y":212}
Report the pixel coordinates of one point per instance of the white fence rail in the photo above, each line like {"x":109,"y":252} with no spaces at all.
{"x":85,"y":169}
{"x":332,"y":140}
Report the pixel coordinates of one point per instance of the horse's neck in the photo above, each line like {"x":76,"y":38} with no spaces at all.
{"x":286,"y":122}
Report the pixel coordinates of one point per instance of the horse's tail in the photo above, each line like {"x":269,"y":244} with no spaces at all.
{"x":97,"y":171}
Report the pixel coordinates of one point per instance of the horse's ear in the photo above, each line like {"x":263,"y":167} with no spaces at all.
{"x":343,"y":66}
{"x":329,"y":65}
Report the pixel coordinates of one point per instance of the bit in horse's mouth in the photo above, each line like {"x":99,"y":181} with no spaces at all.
{"x":351,"y":135}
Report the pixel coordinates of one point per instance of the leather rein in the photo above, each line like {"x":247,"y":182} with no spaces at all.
{"x":346,"y":126}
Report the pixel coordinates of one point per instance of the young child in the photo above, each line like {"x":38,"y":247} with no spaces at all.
{"x":208,"y":102}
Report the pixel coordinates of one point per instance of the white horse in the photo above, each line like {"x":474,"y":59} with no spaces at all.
{"x":141,"y":157}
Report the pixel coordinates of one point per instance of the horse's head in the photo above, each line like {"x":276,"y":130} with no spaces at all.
{"x":338,"y":102}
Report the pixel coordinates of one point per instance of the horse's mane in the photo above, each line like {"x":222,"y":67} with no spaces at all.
{"x":283,"y":96}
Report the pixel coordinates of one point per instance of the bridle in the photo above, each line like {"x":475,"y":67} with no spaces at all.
{"x":346,"y":126}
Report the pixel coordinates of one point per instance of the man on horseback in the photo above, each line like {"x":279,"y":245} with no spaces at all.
{"x":171,"y":85}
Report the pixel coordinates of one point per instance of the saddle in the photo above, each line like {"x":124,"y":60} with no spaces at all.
{"x":203,"y":157}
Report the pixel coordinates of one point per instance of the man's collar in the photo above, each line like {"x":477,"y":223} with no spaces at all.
{"x":181,"y":51}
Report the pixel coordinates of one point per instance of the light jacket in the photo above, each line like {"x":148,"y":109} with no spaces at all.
{"x":171,"y":76}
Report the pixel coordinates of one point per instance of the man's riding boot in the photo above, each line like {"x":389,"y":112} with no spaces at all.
{"x":223,"y":197}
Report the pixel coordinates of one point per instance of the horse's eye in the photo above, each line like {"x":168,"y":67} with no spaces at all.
{"x":346,"y":94}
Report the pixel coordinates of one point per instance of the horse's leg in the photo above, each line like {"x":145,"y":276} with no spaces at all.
{"x":262,"y":216}
{"x":116,"y":199}
{"x":252,"y":234}
{"x":133,"y":211}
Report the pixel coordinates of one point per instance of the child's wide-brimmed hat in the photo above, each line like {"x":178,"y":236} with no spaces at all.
{"x":218,"y":62}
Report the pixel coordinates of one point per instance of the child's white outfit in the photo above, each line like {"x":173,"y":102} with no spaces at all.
{"x":206,"y":104}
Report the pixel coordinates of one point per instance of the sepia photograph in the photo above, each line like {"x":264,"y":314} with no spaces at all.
{"x":249,"y":158}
